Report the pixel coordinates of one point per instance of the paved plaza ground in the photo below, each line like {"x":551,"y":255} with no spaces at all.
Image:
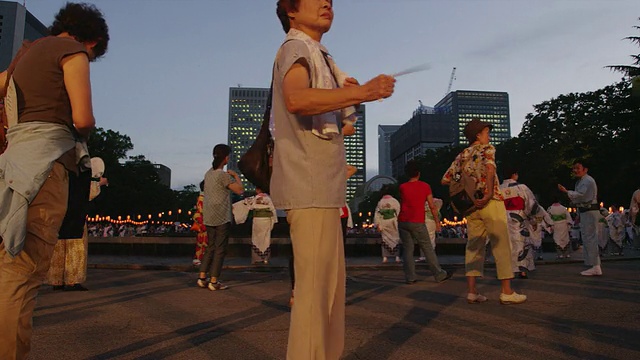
{"x":143,"y":314}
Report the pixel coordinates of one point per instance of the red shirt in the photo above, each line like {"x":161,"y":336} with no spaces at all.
{"x":413,"y":196}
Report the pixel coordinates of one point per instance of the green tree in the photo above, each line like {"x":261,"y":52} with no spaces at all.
{"x":109,"y":145}
{"x":186,"y":198}
{"x":134,"y":189}
{"x":634,"y":68}
{"x":137,"y":189}
{"x":598,"y":126}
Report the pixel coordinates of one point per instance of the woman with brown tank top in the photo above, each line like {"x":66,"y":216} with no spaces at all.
{"x":50,"y":88}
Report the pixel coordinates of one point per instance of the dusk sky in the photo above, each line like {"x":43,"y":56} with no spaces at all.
{"x":165,"y":80}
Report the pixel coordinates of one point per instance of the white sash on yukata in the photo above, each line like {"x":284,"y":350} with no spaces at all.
{"x":262,"y":226}
{"x":388,"y":227}
{"x":561,"y":221}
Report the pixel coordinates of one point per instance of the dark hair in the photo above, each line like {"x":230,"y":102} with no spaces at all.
{"x":508,"y":171}
{"x":220,"y":152}
{"x":85,"y":23}
{"x":582,"y":162}
{"x":282,"y":8}
{"x":202,"y":185}
{"x":411,"y":169}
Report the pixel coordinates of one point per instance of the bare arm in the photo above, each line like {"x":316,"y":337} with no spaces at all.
{"x":351,"y":170}
{"x":3,"y":78}
{"x":434,"y":212}
{"x":303,"y":100}
{"x":236,"y":187}
{"x":78,"y":85}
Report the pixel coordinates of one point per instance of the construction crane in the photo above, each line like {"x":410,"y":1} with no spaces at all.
{"x":453,"y":77}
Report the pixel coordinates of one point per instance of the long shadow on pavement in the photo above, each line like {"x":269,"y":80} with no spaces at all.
{"x":198,"y":333}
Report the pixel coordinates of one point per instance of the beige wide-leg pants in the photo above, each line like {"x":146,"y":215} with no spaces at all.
{"x":21,"y":277}
{"x":317,"y":317}
{"x":489,"y":222}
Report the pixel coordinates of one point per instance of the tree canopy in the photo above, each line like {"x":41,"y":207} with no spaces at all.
{"x":634,"y":68}
{"x":599,"y":127}
{"x":134,"y":185}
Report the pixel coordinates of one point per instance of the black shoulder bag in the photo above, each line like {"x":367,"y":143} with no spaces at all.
{"x":257,"y":163}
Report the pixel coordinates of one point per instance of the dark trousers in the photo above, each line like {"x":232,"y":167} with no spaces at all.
{"x":343,"y":222}
{"x":216,"y":249}
{"x":412,"y":234}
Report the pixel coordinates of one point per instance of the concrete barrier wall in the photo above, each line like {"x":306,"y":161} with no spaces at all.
{"x":236,"y":240}
{"x":241,"y":246}
{"x":238,"y":247}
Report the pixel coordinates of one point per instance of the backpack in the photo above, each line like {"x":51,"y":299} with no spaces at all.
{"x":462,"y":191}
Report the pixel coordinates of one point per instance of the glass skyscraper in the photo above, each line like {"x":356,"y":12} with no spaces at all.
{"x":246,"y":111}
{"x":16,"y":25}
{"x":489,"y":106}
{"x":384,"y":148}
{"x":424,"y":131}
{"x":355,"y":146}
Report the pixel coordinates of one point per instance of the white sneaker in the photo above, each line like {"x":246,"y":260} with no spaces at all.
{"x":475,"y":298}
{"x":217,"y":286}
{"x":514,"y":298}
{"x":202,"y":283}
{"x":594,"y":271}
